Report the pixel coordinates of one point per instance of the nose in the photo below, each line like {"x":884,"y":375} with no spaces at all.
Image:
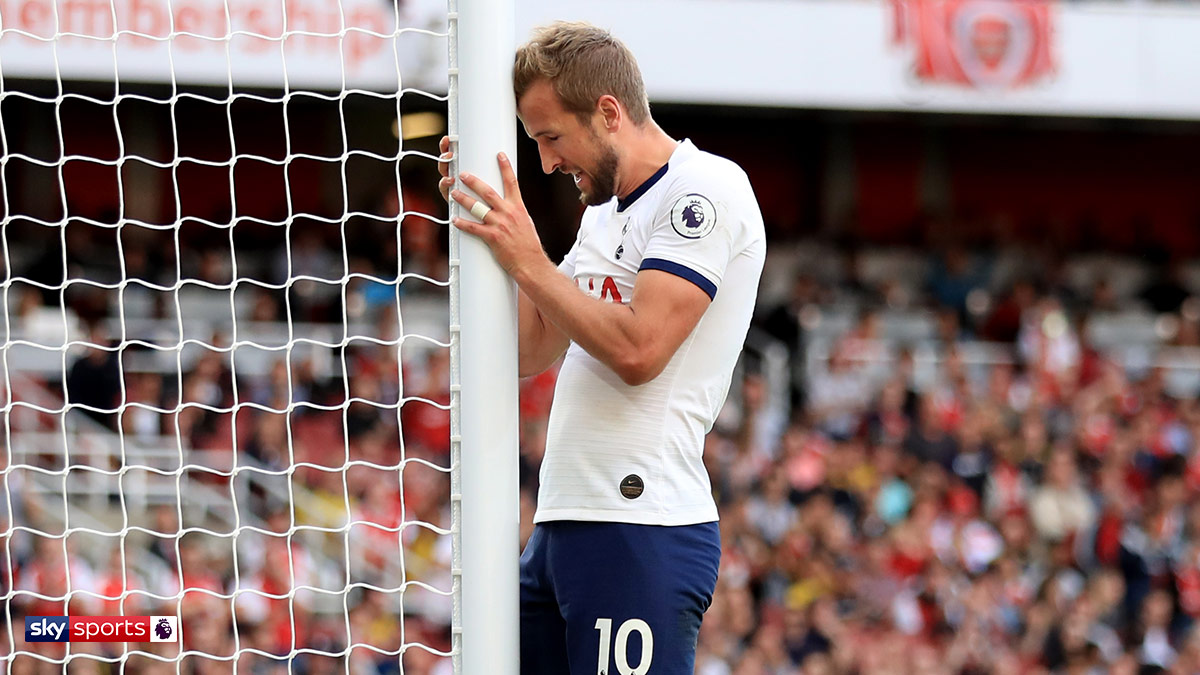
{"x":550,"y":160}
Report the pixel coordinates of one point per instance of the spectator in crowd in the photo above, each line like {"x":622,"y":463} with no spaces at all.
{"x":94,"y":380}
{"x":1061,"y":507}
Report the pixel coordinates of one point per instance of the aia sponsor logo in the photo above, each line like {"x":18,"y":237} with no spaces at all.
{"x":608,"y":288}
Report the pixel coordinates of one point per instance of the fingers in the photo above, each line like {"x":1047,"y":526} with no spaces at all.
{"x":470,"y":226}
{"x":485,"y":191}
{"x":465,"y":200}
{"x":446,"y":181}
{"x":508,"y":176}
{"x":446,"y":156}
{"x":481,"y":230}
{"x":512,"y":189}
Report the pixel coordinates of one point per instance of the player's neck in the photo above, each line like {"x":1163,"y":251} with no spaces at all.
{"x":648,"y":151}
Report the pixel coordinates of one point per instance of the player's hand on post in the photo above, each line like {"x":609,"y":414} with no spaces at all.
{"x":446,"y":182}
{"x":504,"y":223}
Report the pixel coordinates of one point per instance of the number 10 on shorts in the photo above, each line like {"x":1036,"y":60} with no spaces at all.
{"x":622,"y":642}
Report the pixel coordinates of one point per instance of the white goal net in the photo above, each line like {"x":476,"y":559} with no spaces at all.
{"x":225,"y":359}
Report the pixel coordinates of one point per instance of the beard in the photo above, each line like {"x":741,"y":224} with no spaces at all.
{"x":603,"y":177}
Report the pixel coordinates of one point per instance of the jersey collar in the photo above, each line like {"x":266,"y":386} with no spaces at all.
{"x":640,"y":190}
{"x":683,"y":150}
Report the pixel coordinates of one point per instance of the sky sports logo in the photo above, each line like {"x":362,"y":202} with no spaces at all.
{"x":101,"y":629}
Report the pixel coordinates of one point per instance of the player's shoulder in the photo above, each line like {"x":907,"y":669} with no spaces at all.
{"x":693,"y":166}
{"x":694,"y":172}
{"x":702,"y":183}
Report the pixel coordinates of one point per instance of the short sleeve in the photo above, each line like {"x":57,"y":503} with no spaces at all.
{"x":692,"y":237}
{"x":567,"y":266}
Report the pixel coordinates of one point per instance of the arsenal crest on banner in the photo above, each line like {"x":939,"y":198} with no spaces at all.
{"x":978,"y":43}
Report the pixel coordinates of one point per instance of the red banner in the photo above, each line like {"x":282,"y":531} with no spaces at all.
{"x":977,"y":43}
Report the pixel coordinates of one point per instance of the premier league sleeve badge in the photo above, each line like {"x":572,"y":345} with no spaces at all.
{"x":693,"y":216}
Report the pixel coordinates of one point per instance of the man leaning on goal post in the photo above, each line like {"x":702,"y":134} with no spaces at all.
{"x":651,"y":307}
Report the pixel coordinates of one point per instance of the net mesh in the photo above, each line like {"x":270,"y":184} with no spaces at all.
{"x":225,"y":351}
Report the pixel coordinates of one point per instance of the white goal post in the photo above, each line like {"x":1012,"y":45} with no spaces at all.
{"x":483,"y":123}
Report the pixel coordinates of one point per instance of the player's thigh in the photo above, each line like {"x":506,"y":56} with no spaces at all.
{"x":543,"y":631}
{"x":633,"y":595}
{"x":543,"y":642}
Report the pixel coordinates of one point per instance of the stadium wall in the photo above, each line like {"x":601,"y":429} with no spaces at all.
{"x":1107,"y":59}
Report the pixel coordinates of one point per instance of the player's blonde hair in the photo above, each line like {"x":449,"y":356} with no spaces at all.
{"x":582,"y":63}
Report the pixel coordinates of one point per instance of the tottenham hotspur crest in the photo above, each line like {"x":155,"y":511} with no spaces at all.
{"x":693,"y":216}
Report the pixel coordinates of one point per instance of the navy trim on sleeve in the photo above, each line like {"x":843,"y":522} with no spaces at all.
{"x":683,"y":272}
{"x":640,"y":190}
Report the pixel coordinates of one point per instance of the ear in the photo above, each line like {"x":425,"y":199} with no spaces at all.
{"x":612,"y":114}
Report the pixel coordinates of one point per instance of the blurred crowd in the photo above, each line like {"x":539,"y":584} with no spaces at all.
{"x":1038,"y":513}
{"x":896,"y":508}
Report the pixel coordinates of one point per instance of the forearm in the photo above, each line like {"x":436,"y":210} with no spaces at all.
{"x":540,"y":343}
{"x":609,"y":331}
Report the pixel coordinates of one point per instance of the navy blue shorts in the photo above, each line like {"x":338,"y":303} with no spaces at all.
{"x":615,"y":598}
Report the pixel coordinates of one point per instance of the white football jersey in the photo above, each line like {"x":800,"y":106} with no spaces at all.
{"x":628,"y":454}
